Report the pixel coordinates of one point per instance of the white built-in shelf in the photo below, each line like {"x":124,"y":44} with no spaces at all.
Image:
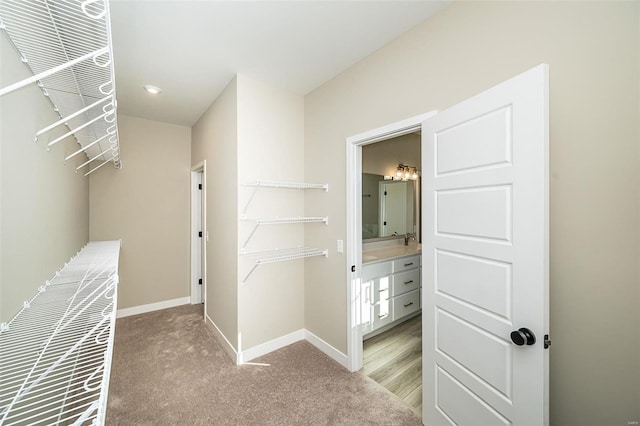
{"x":55,"y":354}
{"x":281,"y":255}
{"x":282,"y":221}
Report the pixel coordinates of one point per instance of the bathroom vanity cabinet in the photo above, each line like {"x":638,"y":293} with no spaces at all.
{"x":390,"y":292}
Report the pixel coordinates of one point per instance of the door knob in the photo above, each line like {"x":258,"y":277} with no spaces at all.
{"x":522,"y":336}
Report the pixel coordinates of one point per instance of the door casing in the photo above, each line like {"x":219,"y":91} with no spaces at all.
{"x":354,"y":223}
{"x":198,"y":269}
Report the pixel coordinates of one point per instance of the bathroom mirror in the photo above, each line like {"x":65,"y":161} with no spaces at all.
{"x":388,"y":207}
{"x":391,"y":166}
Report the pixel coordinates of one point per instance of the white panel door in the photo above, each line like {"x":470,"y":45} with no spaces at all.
{"x":485,"y":257}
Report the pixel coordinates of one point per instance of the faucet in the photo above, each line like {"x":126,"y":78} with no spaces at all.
{"x":408,"y":237}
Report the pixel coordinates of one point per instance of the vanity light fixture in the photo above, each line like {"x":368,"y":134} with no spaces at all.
{"x":154,"y":90}
{"x":405,"y":172}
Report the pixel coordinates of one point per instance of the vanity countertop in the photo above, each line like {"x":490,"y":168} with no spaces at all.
{"x":388,"y":253}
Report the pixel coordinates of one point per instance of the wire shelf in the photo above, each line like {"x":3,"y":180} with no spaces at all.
{"x":55,"y":354}
{"x":67,"y":46}
{"x":281,"y":255}
{"x":288,"y":185}
{"x":282,"y":221}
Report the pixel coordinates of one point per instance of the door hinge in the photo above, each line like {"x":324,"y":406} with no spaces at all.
{"x":200,"y":186}
{"x":353,"y":268}
{"x":200,"y":234}
{"x":385,"y":192}
{"x":547,"y":341}
{"x":200,"y":281}
{"x":384,"y":223}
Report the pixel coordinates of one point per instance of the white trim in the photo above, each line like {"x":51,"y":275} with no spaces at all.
{"x":222,"y":339}
{"x":389,"y":131}
{"x":202,"y":166}
{"x":354,"y":223}
{"x":329,"y":350}
{"x":270,"y":346}
{"x":142,"y":309}
{"x":282,"y":341}
{"x":196,"y":208}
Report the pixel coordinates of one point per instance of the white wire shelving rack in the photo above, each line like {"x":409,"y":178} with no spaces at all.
{"x":281,"y":255}
{"x":280,"y":184}
{"x":67,"y":46}
{"x":286,"y":254}
{"x":281,"y":221}
{"x":55,"y":354}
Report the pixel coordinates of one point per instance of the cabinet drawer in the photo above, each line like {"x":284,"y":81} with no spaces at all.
{"x":382,"y":314}
{"x":405,"y":263}
{"x":404,"y":282}
{"x":374,"y":270}
{"x":406,"y":304}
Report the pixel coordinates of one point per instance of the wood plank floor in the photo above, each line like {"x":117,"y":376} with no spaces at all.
{"x":394,"y":360}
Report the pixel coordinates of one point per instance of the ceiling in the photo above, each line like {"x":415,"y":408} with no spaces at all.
{"x":192,"y":49}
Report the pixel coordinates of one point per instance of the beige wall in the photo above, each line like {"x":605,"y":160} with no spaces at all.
{"x":215,"y":139}
{"x":270,"y":147}
{"x":44,"y":204}
{"x":593,"y":52}
{"x":146,"y":204}
{"x":382,"y":158}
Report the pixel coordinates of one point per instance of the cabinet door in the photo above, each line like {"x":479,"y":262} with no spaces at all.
{"x":366,"y":309}
{"x":381,"y":289}
{"x":382,"y":313}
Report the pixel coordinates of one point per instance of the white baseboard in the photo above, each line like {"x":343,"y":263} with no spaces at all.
{"x":329,"y":350}
{"x":270,"y":346}
{"x":222,"y":339}
{"x":135,"y":310}
{"x":280,"y":342}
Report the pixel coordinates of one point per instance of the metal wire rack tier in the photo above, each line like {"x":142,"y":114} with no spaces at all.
{"x":55,"y":354}
{"x":281,"y":255}
{"x":67,"y":46}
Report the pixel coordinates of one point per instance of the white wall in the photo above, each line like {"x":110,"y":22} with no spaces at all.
{"x":593,"y":49}
{"x":215,"y":139}
{"x":147,"y":205}
{"x":44,"y":204}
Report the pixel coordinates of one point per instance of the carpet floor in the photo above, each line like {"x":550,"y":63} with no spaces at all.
{"x":168,"y":369}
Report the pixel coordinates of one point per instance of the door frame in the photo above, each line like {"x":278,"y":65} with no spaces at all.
{"x":354,"y":146}
{"x":200,"y":168}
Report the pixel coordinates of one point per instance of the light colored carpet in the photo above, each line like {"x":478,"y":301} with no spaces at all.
{"x":169,"y":370}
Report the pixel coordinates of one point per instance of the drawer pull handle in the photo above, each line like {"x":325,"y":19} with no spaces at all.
{"x":408,"y":264}
{"x":408,"y":282}
{"x":383,"y":316}
{"x":408,"y":304}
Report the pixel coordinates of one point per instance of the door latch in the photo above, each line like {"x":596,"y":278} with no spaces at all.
{"x":547,"y":341}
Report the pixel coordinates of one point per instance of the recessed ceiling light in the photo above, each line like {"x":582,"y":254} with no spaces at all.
{"x":152,"y":89}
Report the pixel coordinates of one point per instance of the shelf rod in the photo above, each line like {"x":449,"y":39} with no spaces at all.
{"x":84,"y":148}
{"x":77,"y":129}
{"x":47,"y":73}
{"x":96,"y":168}
{"x":94,"y":158}
{"x":70,"y":117}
